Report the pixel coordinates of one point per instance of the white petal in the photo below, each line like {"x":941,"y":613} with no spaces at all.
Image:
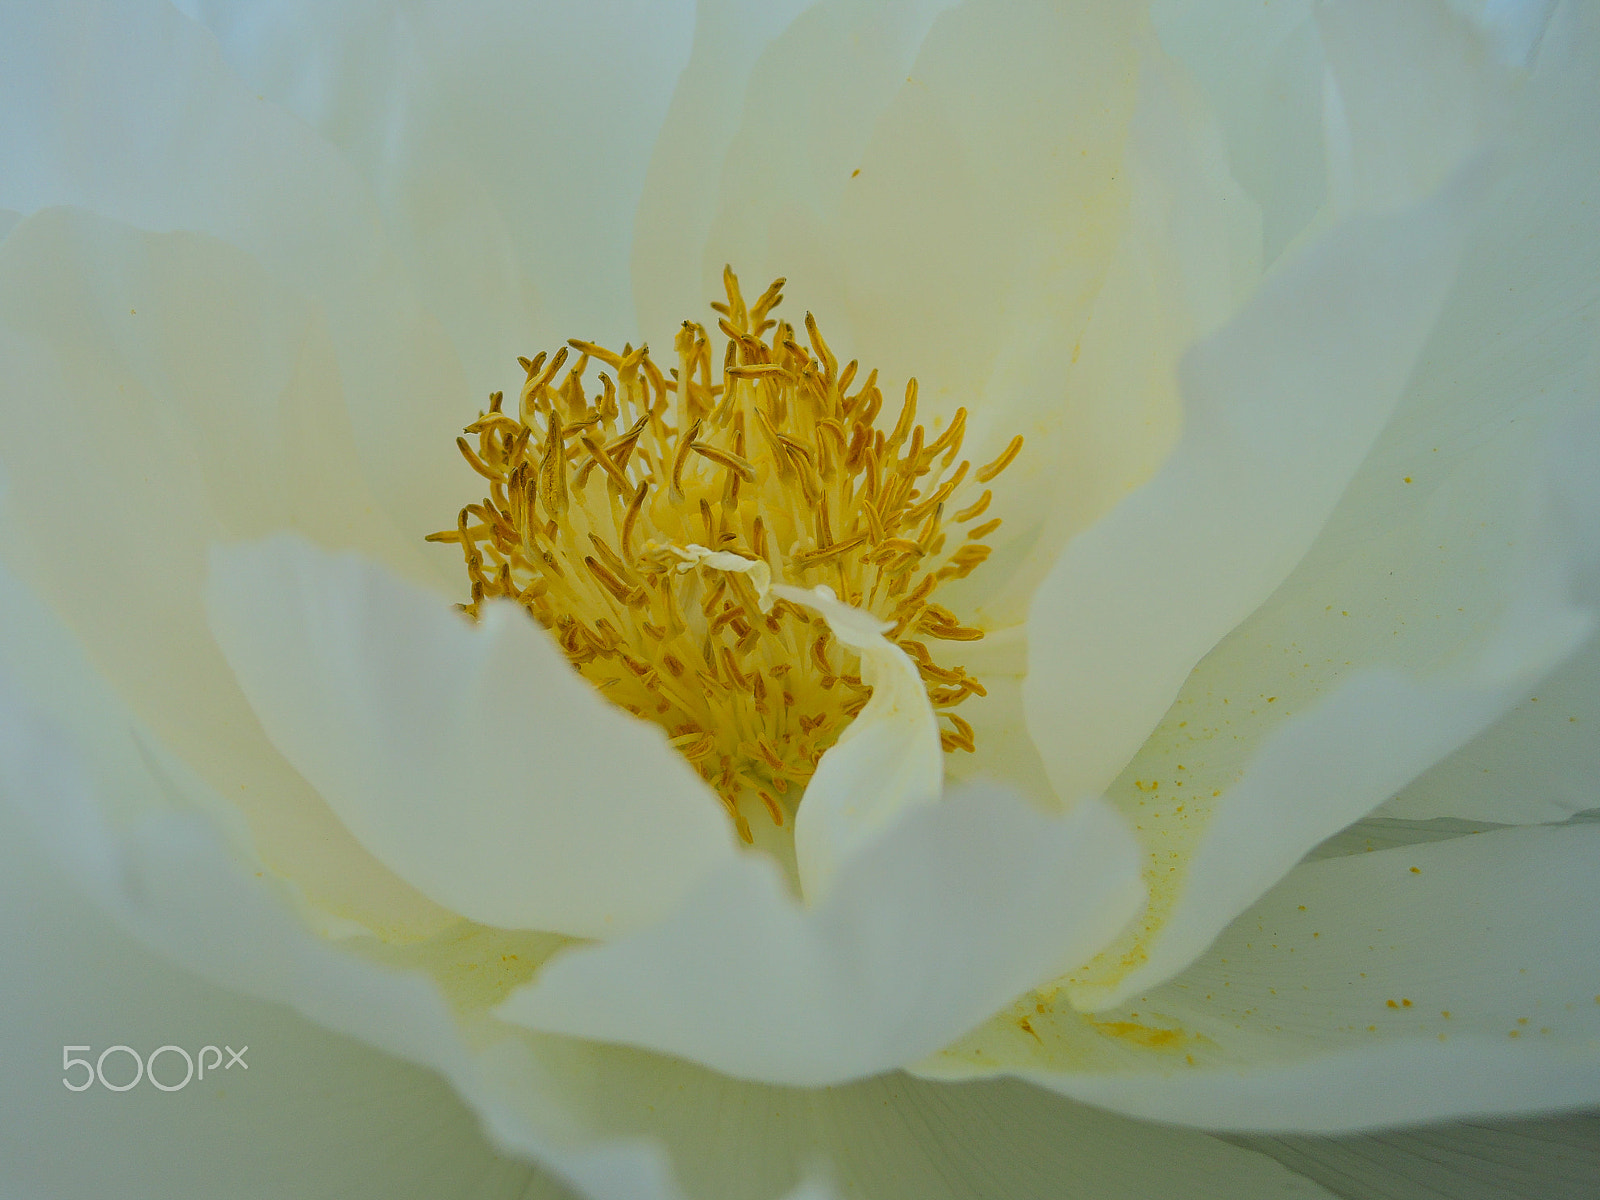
{"x":1344,"y":733}
{"x":1514,"y":353}
{"x":308,"y":1113}
{"x":1412,"y":94}
{"x":887,"y":760}
{"x":913,"y":140}
{"x":1556,"y":1158}
{"x":1407,"y":985}
{"x":128,"y":110}
{"x":923,"y":177}
{"x":203,"y":400}
{"x":507,"y":145}
{"x":1319,"y":359}
{"x":1518,"y":27}
{"x":1537,"y":763}
{"x":170,"y":882}
{"x":821,"y":72}
{"x":899,"y":1138}
{"x":474,"y":762}
{"x":1280,"y":408}
{"x":615,"y":1122}
{"x":1100,"y":405}
{"x":958,"y":907}
{"x":1261,"y":67}
{"x":1438,"y":547}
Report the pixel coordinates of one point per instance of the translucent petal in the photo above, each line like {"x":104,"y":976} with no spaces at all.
{"x":615,"y":1121}
{"x":1102,"y":416}
{"x":910,"y":139}
{"x":1412,"y":94}
{"x":474,"y":762}
{"x":1514,"y":353}
{"x":1261,"y":67}
{"x":506,"y":145}
{"x":1438,"y":547}
{"x":200,"y":400}
{"x":1426,"y":982}
{"x":887,"y":760}
{"x":1557,"y":1158}
{"x":1280,"y":408}
{"x":128,"y":110}
{"x":956,"y":908}
{"x":920,"y":129}
{"x":1264,"y":778}
{"x":308,"y":1113}
{"x":1537,"y":763}
{"x":823,"y":78}
{"x":1516,"y":27}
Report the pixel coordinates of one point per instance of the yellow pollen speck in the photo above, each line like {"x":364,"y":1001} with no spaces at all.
{"x":1151,"y":1037}
{"x":644,"y":522}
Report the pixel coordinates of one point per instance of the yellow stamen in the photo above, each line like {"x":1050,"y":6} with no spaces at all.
{"x":645,"y":523}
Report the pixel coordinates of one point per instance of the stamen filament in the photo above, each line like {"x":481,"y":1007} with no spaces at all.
{"x":644,"y":525}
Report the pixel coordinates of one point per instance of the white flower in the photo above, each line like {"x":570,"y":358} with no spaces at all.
{"x":1295,"y":311}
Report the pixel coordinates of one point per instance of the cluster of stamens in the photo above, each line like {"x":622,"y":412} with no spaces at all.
{"x":643,"y":523}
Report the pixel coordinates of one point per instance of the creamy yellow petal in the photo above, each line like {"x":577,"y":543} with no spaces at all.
{"x":163,"y":392}
{"x":956,"y":907}
{"x":472,"y":760}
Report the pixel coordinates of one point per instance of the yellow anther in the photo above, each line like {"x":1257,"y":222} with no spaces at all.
{"x":644,"y":523}
{"x":985,"y":474}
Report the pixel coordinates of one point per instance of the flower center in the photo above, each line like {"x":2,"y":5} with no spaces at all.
{"x":644,"y":524}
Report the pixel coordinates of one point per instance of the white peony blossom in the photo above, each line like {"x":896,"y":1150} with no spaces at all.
{"x":1294,"y":310}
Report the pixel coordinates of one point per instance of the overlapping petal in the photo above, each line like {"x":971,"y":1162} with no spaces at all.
{"x":1441,"y":544}
{"x":474,"y":762}
{"x":1347,"y":724}
{"x":1280,"y":408}
{"x":886,"y":761}
{"x":1410,"y":984}
{"x":920,"y":935}
{"x":133,"y":114}
{"x":505,"y":145}
{"x":168,"y":878}
{"x":1060,"y":258}
{"x":200,"y":401}
{"x":306,"y":1112}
